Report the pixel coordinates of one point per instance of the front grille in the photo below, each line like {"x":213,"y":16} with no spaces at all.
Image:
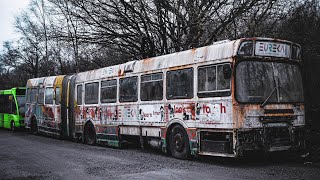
{"x":278,"y":136}
{"x":278,"y":111}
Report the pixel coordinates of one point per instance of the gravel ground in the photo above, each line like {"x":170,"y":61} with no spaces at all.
{"x":26,"y":156}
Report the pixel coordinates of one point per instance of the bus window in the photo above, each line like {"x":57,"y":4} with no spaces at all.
{"x":180,"y":84}
{"x":40,"y":99}
{"x":296,"y":54}
{"x":28,"y":91}
{"x":33,"y":95}
{"x":128,"y":89}
{"x":49,"y":95}
{"x":151,"y":87}
{"x":79,"y":94}
{"x":20,"y":92}
{"x":109,"y":91}
{"x":91,"y":93}
{"x":21,"y":103}
{"x":223,"y":77}
{"x":214,"y":80}
{"x":57,"y":96}
{"x":5,"y":103}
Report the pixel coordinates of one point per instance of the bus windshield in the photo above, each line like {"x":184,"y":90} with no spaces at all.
{"x":21,"y":101}
{"x":268,"y":82}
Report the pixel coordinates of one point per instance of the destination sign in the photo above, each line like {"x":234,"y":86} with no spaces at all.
{"x":264,"y":48}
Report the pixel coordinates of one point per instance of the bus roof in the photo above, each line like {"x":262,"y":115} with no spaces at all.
{"x":222,"y":51}
{"x":219,"y":51}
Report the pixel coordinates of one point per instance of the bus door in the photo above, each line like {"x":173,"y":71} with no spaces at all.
{"x":49,"y":109}
{"x":57,"y":107}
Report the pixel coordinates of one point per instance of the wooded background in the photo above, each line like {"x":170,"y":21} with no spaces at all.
{"x":69,"y":36}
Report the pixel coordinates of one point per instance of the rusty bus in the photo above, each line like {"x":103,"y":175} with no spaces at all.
{"x":220,"y":100}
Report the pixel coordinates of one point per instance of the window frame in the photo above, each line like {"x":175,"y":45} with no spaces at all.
{"x":151,"y":81}
{"x":136,"y":92}
{"x":45,"y":95}
{"x":217,"y":92}
{"x":94,"y":82}
{"x":40,"y":92}
{"x":192,"y":86}
{"x":81,"y":94}
{"x":57,"y":96}
{"x":101,"y":87}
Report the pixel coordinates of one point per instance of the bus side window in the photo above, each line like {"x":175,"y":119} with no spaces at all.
{"x":5,"y":104}
{"x":79,"y":94}
{"x":180,"y":84}
{"x":40,"y":99}
{"x":12,"y":104}
{"x":108,"y":91}
{"x":151,"y":87}
{"x":214,"y":80}
{"x":223,"y":77}
{"x":91,"y":93}
{"x":33,"y":94}
{"x":49,"y":95}
{"x":57,"y":96}
{"x":128,"y":89}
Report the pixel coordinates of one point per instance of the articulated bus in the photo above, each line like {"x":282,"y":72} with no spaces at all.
{"x":12,"y":102}
{"x":220,"y":100}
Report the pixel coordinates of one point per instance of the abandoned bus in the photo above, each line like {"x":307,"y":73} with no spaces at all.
{"x":220,"y":100}
{"x":12,"y":102}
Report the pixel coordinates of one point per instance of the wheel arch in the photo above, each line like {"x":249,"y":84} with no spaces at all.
{"x":86,"y":124}
{"x":170,"y":125}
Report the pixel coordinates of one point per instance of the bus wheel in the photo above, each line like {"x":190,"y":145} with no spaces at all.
{"x":179,"y":143}
{"x":89,"y":134}
{"x":12,"y":127}
{"x":34,"y":126}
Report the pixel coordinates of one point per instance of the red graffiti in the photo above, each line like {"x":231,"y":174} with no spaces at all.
{"x":207,"y":109}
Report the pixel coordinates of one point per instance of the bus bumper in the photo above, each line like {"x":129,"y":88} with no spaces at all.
{"x":270,"y":139}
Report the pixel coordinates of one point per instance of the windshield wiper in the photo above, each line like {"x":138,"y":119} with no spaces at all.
{"x":265,"y":101}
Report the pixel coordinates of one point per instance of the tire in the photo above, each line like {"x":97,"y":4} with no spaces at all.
{"x":179,"y":143}
{"x":12,"y":126}
{"x":89,"y":134}
{"x":34,"y":127}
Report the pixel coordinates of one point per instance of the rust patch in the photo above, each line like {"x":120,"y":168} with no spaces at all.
{"x":120,"y":73}
{"x":180,"y":67}
{"x":192,"y":133}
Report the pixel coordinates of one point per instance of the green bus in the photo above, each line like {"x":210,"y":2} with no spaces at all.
{"x":12,"y":103}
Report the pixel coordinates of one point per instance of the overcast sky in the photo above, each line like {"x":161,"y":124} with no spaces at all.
{"x":9,"y":9}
